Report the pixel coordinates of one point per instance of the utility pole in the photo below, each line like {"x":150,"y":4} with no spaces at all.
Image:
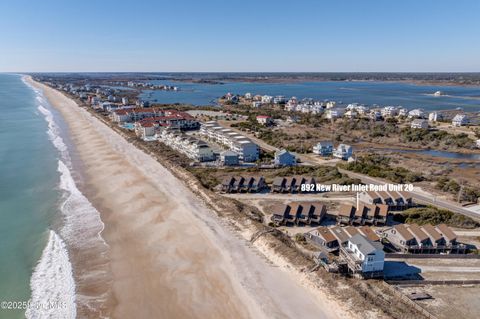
{"x":460,"y":192}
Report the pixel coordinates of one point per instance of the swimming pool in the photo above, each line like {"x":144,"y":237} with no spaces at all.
{"x":128,"y":126}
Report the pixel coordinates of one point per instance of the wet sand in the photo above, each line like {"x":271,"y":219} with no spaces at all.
{"x":170,"y":256}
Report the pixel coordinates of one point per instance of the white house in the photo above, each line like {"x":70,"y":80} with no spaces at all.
{"x":267,"y":99}
{"x":145,"y":129}
{"x":264,"y":120}
{"x":343,"y":151}
{"x":351,"y":114}
{"x":416,"y":113}
{"x":389,"y":111}
{"x":419,"y":124}
{"x":256,"y":104}
{"x":334,"y":113}
{"x":402,"y":112}
{"x":330,"y":104}
{"x":460,"y":120}
{"x":363,"y":255}
{"x":248,"y":96}
{"x":124,"y":100}
{"x":478,"y":143}
{"x":279,"y":99}
{"x":375,"y":115}
{"x":434,"y":116}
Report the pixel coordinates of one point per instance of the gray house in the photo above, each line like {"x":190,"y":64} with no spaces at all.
{"x":229,"y":158}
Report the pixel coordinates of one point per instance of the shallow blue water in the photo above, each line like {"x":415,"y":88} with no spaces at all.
{"x":28,"y":189}
{"x":369,"y":93}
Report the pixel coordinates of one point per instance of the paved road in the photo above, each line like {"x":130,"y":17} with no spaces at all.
{"x":425,"y":198}
{"x":308,"y":159}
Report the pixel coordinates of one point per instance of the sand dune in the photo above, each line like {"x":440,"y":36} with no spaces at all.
{"x":170,"y":256}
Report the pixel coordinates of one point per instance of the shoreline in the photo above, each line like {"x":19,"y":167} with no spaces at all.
{"x":103,"y":148}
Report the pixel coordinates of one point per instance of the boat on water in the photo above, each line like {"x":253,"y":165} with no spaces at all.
{"x":438,"y":93}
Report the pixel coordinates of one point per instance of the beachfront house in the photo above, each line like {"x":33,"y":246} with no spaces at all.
{"x":419,"y":124}
{"x":460,"y":120}
{"x":363,"y":257}
{"x":323,"y":237}
{"x":416,"y":113}
{"x":284,"y":158}
{"x":434,"y":116}
{"x":323,"y":148}
{"x":343,"y":151}
{"x":389,"y":111}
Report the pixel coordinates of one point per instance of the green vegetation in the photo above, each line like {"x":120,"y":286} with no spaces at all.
{"x":426,"y":137}
{"x":206,"y":178}
{"x":375,"y":165}
{"x":374,"y":129}
{"x":300,"y":238}
{"x":322,"y":174}
{"x":435,"y":216}
{"x":477,"y":132}
{"x":469,"y":194}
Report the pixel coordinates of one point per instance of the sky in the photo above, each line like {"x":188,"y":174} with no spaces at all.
{"x":240,"y":35}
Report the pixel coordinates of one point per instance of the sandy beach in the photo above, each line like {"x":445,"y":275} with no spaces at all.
{"x":169,"y":255}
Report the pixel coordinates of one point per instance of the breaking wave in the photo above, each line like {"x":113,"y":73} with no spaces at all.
{"x":53,"y":276}
{"x":53,"y":287}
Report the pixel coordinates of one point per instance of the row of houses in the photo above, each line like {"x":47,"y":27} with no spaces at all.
{"x":424,"y":239}
{"x":240,"y":184}
{"x":296,"y":213}
{"x":148,"y":126}
{"x":135,"y":114}
{"x":190,"y":146}
{"x":395,"y":200}
{"x":291,"y":184}
{"x":236,"y":142}
{"x":372,"y":214}
{"x":326,"y":148}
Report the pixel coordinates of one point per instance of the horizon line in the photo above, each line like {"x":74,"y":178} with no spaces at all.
{"x":252,"y":72}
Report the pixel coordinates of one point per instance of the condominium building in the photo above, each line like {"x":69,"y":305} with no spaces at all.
{"x":190,"y":146}
{"x":243,"y":146}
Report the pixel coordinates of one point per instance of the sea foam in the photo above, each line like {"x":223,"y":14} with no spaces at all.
{"x":53,"y":287}
{"x":80,"y":230}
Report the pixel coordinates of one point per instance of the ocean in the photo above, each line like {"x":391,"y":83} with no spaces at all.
{"x":369,"y":93}
{"x":44,"y":215}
